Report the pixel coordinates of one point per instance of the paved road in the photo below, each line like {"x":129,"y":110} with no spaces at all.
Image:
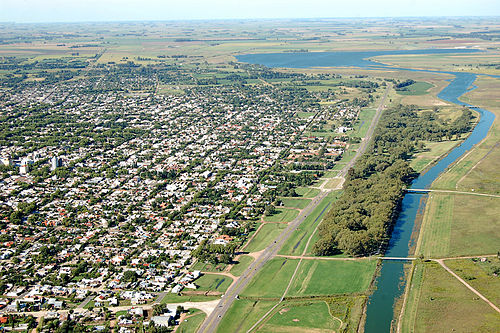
{"x":211,"y":322}
{"x":364,"y":144}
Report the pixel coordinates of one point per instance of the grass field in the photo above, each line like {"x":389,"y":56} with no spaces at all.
{"x":363,"y":123}
{"x":442,"y":304}
{"x":480,"y":275}
{"x":296,"y":243}
{"x":410,"y":311}
{"x":307,"y":192}
{"x":295,"y":203}
{"x":243,"y":262}
{"x":191,"y":324}
{"x":452,"y":226}
{"x":282,"y":215}
{"x":243,"y":314}
{"x":328,"y":277}
{"x":213,"y":282}
{"x":305,"y":115}
{"x":301,"y":317}
{"x":174,"y":298}
{"x":433,"y":150}
{"x":265,"y":236}
{"x":272,"y":279}
{"x":416,"y":89}
{"x":207,"y":267}
{"x":485,"y":176}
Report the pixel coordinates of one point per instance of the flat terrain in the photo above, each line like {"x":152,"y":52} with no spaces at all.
{"x":191,"y":324}
{"x":301,"y":317}
{"x":295,"y":203}
{"x":213,"y":282}
{"x":440,"y":303}
{"x":326,"y":277}
{"x":481,"y":275}
{"x":306,"y":192}
{"x":432,"y":152}
{"x":295,"y":245}
{"x":243,"y":314}
{"x":459,"y":225}
{"x":272,"y":280}
{"x":264,"y":236}
{"x":283,"y":215}
{"x":241,"y":265}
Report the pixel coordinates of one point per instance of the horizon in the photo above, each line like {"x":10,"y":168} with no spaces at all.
{"x":93,"y":11}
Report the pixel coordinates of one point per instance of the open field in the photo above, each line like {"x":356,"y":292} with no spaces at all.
{"x":243,"y":314}
{"x":213,"y":282}
{"x":416,"y":89}
{"x":458,"y":225}
{"x":301,"y":317}
{"x":482,"y":276}
{"x":296,"y":243}
{"x":265,"y":236}
{"x":191,"y":324}
{"x":174,"y":298}
{"x":243,"y":262}
{"x":363,"y":123}
{"x":327,"y":277}
{"x":282,"y":215}
{"x":432,"y":152}
{"x":440,"y":303}
{"x":208,"y":267}
{"x":307,"y":192}
{"x":272,"y":280}
{"x":450,"y":62}
{"x":295,"y":203}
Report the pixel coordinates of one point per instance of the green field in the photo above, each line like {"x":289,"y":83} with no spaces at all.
{"x":329,"y":277}
{"x":243,"y":262}
{"x":485,"y":176}
{"x":282,"y":215}
{"x":191,"y":324}
{"x":416,"y":89}
{"x":208,"y":267}
{"x":243,"y":314}
{"x":295,"y":203}
{"x":296,"y":243}
{"x":304,"y":115}
{"x":363,"y":123}
{"x":307,"y":192}
{"x":453,"y":227}
{"x":432,"y":152}
{"x":482,"y":276}
{"x":442,"y":304}
{"x":265,"y":236}
{"x":174,"y":298}
{"x":213,"y":282}
{"x":301,"y":317}
{"x":272,"y":279}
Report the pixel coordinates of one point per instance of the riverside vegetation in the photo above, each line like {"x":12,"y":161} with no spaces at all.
{"x":361,"y":220}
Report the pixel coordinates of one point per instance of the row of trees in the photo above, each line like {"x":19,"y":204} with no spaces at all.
{"x":361,"y":220}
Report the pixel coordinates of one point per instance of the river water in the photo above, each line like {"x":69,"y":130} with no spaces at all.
{"x":390,"y":283}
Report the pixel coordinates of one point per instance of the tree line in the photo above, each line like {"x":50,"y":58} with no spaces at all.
{"x":362,"y":218}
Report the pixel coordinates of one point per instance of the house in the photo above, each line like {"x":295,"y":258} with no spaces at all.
{"x":163,"y":321}
{"x":177,"y":289}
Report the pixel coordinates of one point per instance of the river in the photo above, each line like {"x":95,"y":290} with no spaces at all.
{"x":390,"y":283}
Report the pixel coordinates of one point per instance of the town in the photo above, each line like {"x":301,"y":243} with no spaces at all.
{"x":112,"y":190}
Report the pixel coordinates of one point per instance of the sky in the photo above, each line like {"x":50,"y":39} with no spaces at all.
{"x":138,"y":10}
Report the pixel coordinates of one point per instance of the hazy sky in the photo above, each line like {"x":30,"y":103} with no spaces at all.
{"x":124,"y":10}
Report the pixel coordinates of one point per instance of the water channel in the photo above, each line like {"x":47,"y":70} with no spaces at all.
{"x":390,"y":283}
